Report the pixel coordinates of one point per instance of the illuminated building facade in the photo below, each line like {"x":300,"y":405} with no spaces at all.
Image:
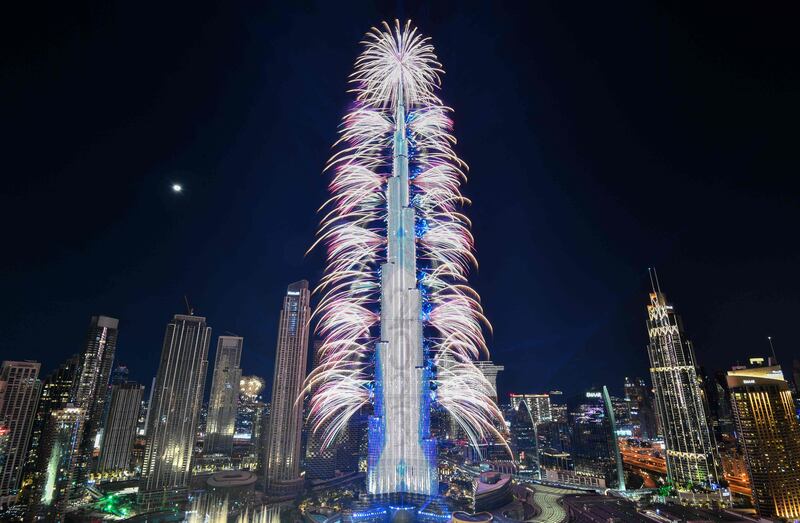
{"x":680,"y":402}
{"x":174,"y":411}
{"x":22,"y":387}
{"x":221,"y":422}
{"x":558,"y":406}
{"x":282,"y":467}
{"x":768,"y":431}
{"x":120,"y":431}
{"x":401,"y":327}
{"x":592,"y":445}
{"x":402,"y":455}
{"x":250,"y":415}
{"x":538,"y":406}
{"x":91,"y":387}
{"x":640,"y":404}
{"x":57,"y":389}
{"x":58,"y":462}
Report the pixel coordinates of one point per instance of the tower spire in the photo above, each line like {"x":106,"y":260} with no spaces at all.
{"x":772,"y":347}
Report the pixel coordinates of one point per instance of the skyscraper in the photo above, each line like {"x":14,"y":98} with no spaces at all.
{"x":641,"y":408}
{"x":395,"y":234}
{"x":538,"y":406}
{"x":770,"y":435}
{"x":282,"y":465}
{"x":58,"y":462}
{"x":120,"y":430}
{"x":174,"y":411}
{"x":490,"y":370}
{"x":221,"y":423}
{"x":593,"y":440}
{"x":679,"y":399}
{"x":22,"y":387}
{"x":249,"y":421}
{"x":91,"y":387}
{"x":57,"y":389}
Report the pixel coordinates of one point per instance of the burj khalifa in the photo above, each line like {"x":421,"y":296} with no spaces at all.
{"x":402,"y":455}
{"x":401,"y":328}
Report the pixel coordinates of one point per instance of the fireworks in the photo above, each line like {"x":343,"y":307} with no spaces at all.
{"x":395,"y":81}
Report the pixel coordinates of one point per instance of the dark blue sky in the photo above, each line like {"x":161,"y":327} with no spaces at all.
{"x":603,"y":138}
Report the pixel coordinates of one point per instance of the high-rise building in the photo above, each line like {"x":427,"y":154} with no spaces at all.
{"x":558,"y":406}
{"x":490,"y":370}
{"x":282,"y":465}
{"x":394,"y":234}
{"x":593,"y":440}
{"x":770,"y":435}
{"x":523,"y":438}
{"x":22,"y":387}
{"x":640,"y":404}
{"x":174,"y":413}
{"x":91,"y":386}
{"x":249,"y":422}
{"x":537,"y":404}
{"x":120,"y":431}
{"x":58,"y":462}
{"x":221,"y":423}
{"x":679,"y":398}
{"x":57,"y":389}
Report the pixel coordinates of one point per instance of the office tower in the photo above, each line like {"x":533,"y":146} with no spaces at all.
{"x":679,"y":399}
{"x":555,"y":435}
{"x":282,"y":468}
{"x":523,"y":437}
{"x":120,"y":431}
{"x":490,"y":371}
{"x":395,"y":234}
{"x":537,"y":404}
{"x":720,"y":406}
{"x":221,"y":422}
{"x":22,"y":387}
{"x":174,"y":412}
{"x":91,"y":387}
{"x":57,"y":389}
{"x":641,"y":408}
{"x":58,"y":462}
{"x":593,"y":440}
{"x":558,"y":406}
{"x":770,"y":435}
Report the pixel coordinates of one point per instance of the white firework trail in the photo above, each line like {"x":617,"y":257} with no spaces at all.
{"x":397,"y":61}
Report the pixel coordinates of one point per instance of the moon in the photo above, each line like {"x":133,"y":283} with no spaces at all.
{"x":176,"y":187}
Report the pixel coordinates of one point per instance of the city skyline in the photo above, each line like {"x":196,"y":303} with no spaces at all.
{"x":591,"y":142}
{"x":489,"y":337}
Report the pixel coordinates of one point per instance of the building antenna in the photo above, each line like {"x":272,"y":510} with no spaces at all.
{"x":189,"y":309}
{"x":652,"y":285}
{"x":771,"y":346}
{"x":658,"y":285}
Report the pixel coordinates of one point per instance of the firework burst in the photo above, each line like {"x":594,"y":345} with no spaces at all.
{"x":398,"y":68}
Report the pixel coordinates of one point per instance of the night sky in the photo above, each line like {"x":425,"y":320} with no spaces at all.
{"x":602,"y":138}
